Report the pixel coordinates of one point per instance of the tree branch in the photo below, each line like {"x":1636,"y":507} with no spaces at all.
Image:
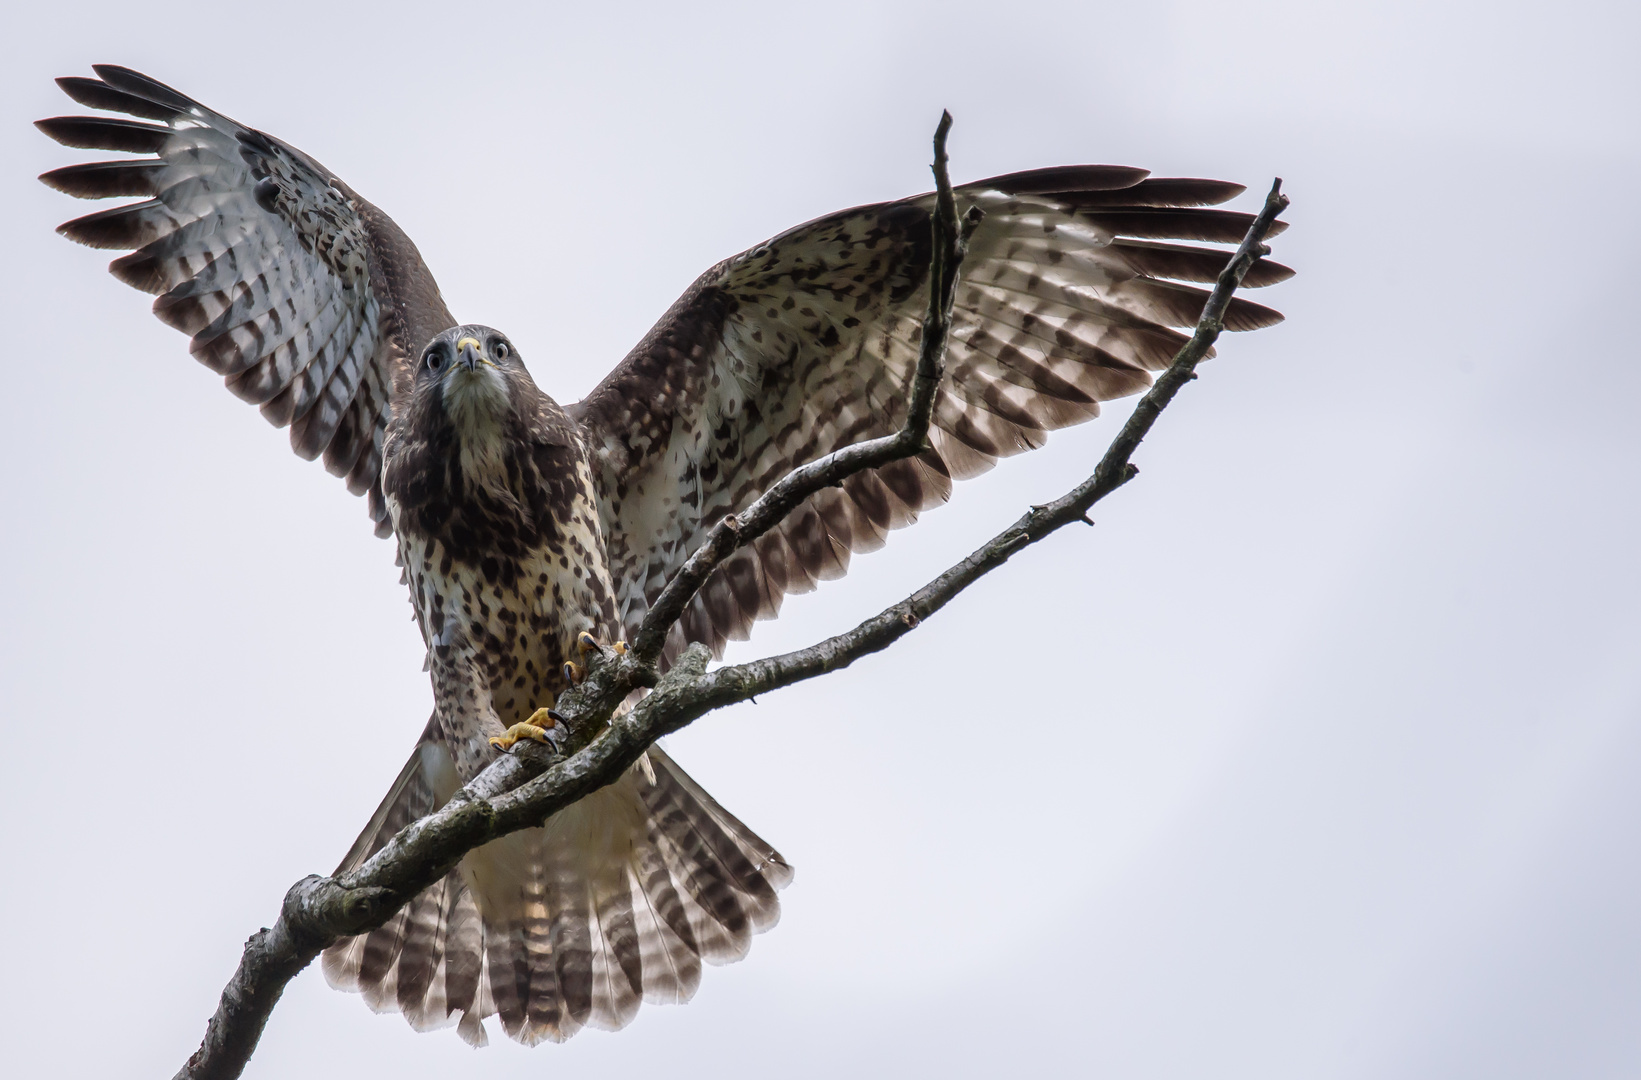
{"x":525,"y":788}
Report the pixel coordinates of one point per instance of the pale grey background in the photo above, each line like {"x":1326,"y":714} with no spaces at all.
{"x":1318,"y":758}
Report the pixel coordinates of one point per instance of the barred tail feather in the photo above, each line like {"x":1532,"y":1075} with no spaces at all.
{"x":615,"y":901}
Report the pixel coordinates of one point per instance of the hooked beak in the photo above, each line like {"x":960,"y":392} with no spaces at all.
{"x":468,"y":354}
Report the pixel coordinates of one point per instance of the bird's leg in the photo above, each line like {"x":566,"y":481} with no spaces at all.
{"x":542,"y":727}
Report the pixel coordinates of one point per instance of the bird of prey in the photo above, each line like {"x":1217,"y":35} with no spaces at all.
{"x":530,"y":531}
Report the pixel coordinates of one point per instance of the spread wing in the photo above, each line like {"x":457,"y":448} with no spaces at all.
{"x":304,"y":296}
{"x":1071,"y":293}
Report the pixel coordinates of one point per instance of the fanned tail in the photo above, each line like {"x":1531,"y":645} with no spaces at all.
{"x":615,"y":901}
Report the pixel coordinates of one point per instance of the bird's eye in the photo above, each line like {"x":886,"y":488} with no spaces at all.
{"x":434,"y":360}
{"x":501,"y":350}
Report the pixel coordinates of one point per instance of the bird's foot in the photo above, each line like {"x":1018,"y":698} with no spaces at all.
{"x":587,"y":644}
{"x":542,"y":727}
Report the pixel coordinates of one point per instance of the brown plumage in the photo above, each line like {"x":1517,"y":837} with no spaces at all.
{"x":521,"y":524}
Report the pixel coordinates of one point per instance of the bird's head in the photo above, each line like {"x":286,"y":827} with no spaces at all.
{"x":474,"y":376}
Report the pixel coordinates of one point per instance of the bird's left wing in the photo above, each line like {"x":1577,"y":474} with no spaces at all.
{"x":1070,"y":295}
{"x":303,"y":295}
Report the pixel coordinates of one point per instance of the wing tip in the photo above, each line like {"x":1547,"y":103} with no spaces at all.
{"x":1269,"y":273}
{"x":104,"y":179}
{"x":62,"y":179}
{"x":1254,"y":317}
{"x":104,"y":133}
{"x":133,"y":82}
{"x":1064,"y":178}
{"x":100,"y":94}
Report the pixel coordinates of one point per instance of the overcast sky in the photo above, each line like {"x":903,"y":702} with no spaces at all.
{"x":1319,"y":758}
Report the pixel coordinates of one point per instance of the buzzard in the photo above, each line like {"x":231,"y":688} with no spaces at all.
{"x":530,"y":531}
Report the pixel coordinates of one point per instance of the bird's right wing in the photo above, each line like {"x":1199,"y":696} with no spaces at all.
{"x":1075,"y":289}
{"x":307,"y":298}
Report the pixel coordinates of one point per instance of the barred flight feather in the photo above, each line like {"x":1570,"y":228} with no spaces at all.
{"x":616,"y":901}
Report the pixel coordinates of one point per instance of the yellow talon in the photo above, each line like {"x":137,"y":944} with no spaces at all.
{"x":536,"y":728}
{"x":572,"y":672}
{"x":620,"y":648}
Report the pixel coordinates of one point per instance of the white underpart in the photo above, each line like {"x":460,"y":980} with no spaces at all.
{"x":476,"y":402}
